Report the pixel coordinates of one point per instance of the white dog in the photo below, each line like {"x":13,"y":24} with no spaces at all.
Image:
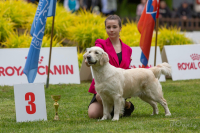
{"x":115,"y":84}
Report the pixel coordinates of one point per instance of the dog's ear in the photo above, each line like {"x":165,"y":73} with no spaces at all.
{"x":104,"y":59}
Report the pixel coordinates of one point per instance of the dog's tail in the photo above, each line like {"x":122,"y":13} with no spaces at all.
{"x":163,"y":68}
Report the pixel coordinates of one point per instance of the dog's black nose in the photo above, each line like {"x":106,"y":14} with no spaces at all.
{"x":89,"y":57}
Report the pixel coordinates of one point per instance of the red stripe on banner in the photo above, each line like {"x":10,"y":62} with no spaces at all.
{"x":157,"y":15}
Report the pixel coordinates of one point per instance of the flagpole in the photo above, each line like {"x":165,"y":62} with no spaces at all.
{"x":157,"y":24}
{"x":52,"y":29}
{"x":157,"y":21}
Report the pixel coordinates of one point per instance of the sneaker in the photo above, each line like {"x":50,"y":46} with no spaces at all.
{"x":127,"y":112}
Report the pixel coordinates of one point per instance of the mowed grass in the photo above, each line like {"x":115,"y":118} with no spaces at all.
{"x":183,"y":99}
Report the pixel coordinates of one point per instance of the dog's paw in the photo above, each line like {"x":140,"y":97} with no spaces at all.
{"x":154,"y":113}
{"x":104,"y":118}
{"x":168,"y":114}
{"x":115,"y":119}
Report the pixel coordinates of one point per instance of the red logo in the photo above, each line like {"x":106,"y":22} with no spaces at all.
{"x":42,"y":69}
{"x":195,"y":57}
{"x":190,"y":65}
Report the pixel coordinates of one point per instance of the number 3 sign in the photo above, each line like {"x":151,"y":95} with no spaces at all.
{"x":30,"y":102}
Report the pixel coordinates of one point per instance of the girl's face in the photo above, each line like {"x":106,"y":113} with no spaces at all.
{"x":112,"y":28}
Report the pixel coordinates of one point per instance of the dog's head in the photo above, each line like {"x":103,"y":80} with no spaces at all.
{"x":96,"y":56}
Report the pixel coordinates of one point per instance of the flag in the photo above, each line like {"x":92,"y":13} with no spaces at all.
{"x":158,"y":8}
{"x":37,"y":31}
{"x":52,"y":8}
{"x":51,"y":12}
{"x":145,"y":27}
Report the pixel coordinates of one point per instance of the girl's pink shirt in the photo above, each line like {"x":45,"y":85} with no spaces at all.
{"x":107,"y":46}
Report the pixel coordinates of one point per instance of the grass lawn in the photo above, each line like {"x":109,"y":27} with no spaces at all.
{"x":183,"y":99}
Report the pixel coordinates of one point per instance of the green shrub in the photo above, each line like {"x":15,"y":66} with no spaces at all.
{"x":86,"y":35}
{"x":20,"y":12}
{"x":47,"y":39}
{"x":171,"y":36}
{"x":130,"y":34}
{"x":63,"y":20}
{"x":80,"y":59}
{"x":23,"y":41}
{"x":16,"y":41}
{"x":6,"y":27}
{"x":87,"y":29}
{"x":85,"y":17}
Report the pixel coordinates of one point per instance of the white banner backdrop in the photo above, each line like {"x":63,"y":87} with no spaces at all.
{"x":85,"y":72}
{"x":64,"y":66}
{"x":136,"y":53}
{"x":184,"y":59}
{"x":194,"y":36}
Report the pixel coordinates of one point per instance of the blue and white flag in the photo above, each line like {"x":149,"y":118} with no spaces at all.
{"x":52,"y":8}
{"x":37,"y":31}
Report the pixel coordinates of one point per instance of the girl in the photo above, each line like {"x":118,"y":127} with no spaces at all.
{"x":119,"y":56}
